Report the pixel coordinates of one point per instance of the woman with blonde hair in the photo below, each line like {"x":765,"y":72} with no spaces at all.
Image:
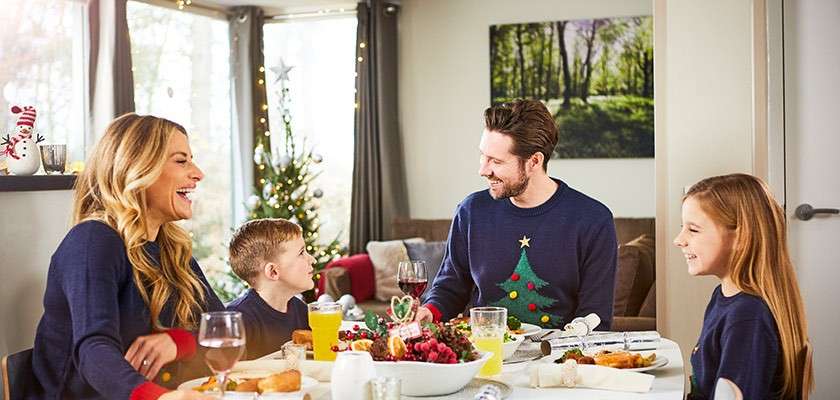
{"x":754,"y":331}
{"x":123,"y":291}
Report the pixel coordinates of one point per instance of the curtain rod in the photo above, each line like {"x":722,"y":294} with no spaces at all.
{"x":310,"y":15}
{"x":201,"y":9}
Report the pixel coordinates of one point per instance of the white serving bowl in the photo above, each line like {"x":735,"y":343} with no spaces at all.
{"x":508,"y":348}
{"x":430,"y":379}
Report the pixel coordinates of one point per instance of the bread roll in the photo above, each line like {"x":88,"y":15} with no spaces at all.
{"x":286,"y":381}
{"x":302,"y":336}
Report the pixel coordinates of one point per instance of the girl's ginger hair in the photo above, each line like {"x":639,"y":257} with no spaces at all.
{"x":760,"y":264}
{"x":112,"y":189}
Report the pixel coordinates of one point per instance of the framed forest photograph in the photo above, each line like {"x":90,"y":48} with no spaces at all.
{"x":594,"y":75}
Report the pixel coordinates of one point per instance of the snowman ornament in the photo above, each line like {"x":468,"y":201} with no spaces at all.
{"x":21,"y":148}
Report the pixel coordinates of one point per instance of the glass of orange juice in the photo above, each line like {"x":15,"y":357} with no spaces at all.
{"x":324,"y":319}
{"x":488,"y":325}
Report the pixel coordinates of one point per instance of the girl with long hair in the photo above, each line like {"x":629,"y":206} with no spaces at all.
{"x":123,"y":291}
{"x":754,"y":330}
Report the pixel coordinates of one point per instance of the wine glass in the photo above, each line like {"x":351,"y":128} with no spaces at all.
{"x":411,"y":278}
{"x":222,"y":334}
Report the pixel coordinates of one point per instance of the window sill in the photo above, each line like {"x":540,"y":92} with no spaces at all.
{"x":12,"y":183}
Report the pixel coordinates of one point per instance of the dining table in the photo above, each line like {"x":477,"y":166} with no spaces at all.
{"x":669,"y":382}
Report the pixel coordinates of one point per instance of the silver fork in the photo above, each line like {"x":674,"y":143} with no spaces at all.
{"x":536,"y":339}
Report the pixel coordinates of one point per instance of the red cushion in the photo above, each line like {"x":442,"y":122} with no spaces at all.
{"x":360,"y":269}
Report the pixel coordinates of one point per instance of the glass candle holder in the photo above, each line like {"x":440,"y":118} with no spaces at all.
{"x":54,"y":157}
{"x":385,"y":388}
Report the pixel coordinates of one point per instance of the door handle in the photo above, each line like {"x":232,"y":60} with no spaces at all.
{"x":806,"y":212}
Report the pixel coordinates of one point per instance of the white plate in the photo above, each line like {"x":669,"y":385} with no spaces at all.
{"x":529,"y":330}
{"x":659,"y":362}
{"x":306,"y":383}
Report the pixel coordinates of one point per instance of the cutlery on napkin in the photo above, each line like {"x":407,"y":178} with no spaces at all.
{"x":572,"y":374}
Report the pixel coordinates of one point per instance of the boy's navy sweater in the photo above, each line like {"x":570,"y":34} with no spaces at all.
{"x":571,"y":245}
{"x":266,"y":329}
{"x":739,"y":342}
{"x":93,"y":312}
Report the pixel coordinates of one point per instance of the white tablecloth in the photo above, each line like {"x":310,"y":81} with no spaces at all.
{"x":668,"y":385}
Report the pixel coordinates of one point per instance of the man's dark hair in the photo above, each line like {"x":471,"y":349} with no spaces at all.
{"x":528,"y":123}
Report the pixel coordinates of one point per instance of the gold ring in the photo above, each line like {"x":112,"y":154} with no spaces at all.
{"x":146,"y":363}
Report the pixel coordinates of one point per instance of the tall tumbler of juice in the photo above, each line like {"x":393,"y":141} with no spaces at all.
{"x":488,"y":331}
{"x":324,"y":319}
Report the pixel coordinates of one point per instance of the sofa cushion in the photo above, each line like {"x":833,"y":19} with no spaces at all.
{"x":649,"y":306}
{"x":385,"y":257}
{"x":625,"y":277}
{"x":360,"y":271}
{"x":431,"y":253}
{"x":335,"y":281}
{"x":645,"y":275}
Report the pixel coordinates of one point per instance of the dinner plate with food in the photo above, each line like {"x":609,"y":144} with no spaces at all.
{"x":620,"y":359}
{"x":527,"y":330}
{"x":517,"y":327}
{"x":288,"y":382}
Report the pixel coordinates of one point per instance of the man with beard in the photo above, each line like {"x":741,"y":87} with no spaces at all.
{"x":530,"y":243}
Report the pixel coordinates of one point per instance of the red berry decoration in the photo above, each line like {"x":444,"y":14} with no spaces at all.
{"x":532,"y":307}
{"x":514,"y":277}
{"x":531,"y":286}
{"x":356,"y":327}
{"x":363,"y":335}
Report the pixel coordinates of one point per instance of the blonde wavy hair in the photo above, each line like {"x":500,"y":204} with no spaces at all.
{"x":761,"y":265}
{"x":112,"y":189}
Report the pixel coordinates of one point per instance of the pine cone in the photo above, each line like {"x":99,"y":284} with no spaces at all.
{"x":379,"y":349}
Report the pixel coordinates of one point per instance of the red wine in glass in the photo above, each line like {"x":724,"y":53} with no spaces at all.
{"x":411,"y":277}
{"x":223,"y":353}
{"x":413,"y":287}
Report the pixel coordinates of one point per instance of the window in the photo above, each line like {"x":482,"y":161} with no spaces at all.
{"x":322,"y":94}
{"x":181,"y":65}
{"x":43,"y":66}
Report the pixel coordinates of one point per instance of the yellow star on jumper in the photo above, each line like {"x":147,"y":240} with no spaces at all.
{"x":524,"y":242}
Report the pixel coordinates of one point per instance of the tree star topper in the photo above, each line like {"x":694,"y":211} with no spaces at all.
{"x":525,"y":242}
{"x":282,"y":71}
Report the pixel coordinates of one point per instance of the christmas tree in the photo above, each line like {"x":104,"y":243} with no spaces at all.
{"x":523,"y":299}
{"x":285,"y":191}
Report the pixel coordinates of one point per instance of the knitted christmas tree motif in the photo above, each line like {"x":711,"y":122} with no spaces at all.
{"x":523,"y":299}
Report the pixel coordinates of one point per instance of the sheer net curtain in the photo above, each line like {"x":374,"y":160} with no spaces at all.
{"x":181,"y":71}
{"x":320,"y":52}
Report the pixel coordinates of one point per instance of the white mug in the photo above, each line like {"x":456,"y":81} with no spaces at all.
{"x":351,"y":373}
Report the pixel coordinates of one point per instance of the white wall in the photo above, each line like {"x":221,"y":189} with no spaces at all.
{"x":703,"y":86}
{"x":32,"y":225}
{"x":444,"y":86}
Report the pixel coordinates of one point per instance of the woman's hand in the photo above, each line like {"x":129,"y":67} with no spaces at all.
{"x":186,"y":395}
{"x":149,"y":353}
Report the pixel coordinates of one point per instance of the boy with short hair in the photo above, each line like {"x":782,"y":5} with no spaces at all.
{"x":270,"y":255}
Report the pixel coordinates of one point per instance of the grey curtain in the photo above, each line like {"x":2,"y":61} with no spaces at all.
{"x":379,"y":190}
{"x":111,"y":80}
{"x":246,"y":39}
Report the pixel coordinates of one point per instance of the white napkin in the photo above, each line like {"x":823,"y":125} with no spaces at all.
{"x":572,"y":374}
{"x":319,"y":370}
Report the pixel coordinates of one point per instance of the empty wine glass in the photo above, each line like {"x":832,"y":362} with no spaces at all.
{"x":222,"y":334}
